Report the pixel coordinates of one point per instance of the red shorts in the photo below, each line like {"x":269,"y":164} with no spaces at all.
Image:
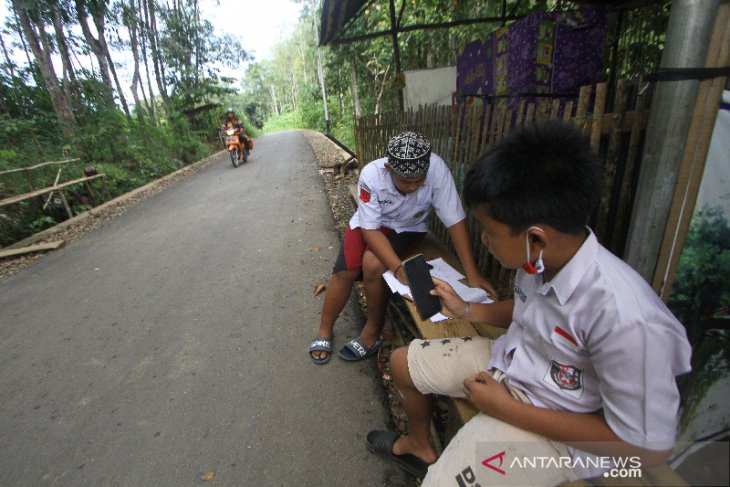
{"x":353,"y":246}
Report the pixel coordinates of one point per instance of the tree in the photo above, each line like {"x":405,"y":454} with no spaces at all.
{"x":33,"y":27}
{"x":701,"y":287}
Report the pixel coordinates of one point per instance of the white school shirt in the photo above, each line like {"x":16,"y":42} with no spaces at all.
{"x":380,"y":204}
{"x":597,"y":337}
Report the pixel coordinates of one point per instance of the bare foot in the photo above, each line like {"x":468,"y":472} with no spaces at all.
{"x":406,"y":444}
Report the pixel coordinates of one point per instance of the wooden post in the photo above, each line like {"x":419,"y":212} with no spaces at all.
{"x":108,"y":193}
{"x":695,"y":154}
{"x":686,"y":46}
{"x":65,"y":204}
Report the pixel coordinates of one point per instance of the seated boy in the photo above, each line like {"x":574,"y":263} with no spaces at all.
{"x":396,"y":195}
{"x":588,"y":364}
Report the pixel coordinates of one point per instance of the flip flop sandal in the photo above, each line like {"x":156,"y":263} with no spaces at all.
{"x":380,"y":442}
{"x":356,"y":350}
{"x":321,"y":344}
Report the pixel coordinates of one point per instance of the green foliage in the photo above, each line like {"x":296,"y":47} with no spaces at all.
{"x":285,"y":121}
{"x":701,"y":300}
{"x":701,"y":286}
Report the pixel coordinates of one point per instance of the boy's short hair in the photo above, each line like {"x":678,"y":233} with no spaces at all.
{"x":543,"y":173}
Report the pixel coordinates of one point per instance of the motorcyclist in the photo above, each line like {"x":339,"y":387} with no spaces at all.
{"x":232,"y":121}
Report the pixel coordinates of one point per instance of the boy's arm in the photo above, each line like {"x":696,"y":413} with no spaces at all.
{"x":460,"y":238}
{"x":496,"y":314}
{"x":588,"y":432}
{"x":378,"y":243}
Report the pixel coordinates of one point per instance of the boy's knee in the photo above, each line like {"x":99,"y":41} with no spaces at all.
{"x":346,"y":276}
{"x":371,"y":265}
{"x":399,"y":367}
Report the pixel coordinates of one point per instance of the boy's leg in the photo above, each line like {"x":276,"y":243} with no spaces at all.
{"x":429,"y":367}
{"x":377,"y":292}
{"x":347,"y":269}
{"x":376,"y":295}
{"x":486,"y":451}
{"x":418,"y":408}
{"x":338,"y":292}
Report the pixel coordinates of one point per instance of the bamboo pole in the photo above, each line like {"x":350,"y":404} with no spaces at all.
{"x":699,"y":136}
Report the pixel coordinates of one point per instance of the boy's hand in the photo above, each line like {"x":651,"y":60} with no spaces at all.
{"x":400,"y":274}
{"x":486,"y":394}
{"x":478,"y":280}
{"x":451,"y":304}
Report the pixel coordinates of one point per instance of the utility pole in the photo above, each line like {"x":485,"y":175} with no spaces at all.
{"x":687,"y":38}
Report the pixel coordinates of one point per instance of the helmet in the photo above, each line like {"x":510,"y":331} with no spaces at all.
{"x":229,"y":110}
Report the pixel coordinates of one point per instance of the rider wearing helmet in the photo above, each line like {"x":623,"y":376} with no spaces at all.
{"x":232,"y":121}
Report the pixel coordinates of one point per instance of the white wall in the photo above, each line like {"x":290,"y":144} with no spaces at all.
{"x":715,"y":186}
{"x":428,"y":86}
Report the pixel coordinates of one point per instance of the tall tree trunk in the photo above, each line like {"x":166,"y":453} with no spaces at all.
{"x":10,"y":64}
{"x":122,"y":98}
{"x":159,"y":67}
{"x":96,"y":47}
{"x":129,"y":18}
{"x":355,"y":89}
{"x":379,"y":99}
{"x":19,"y":30}
{"x":143,"y":40}
{"x":275,"y":103}
{"x":71,"y":87}
{"x":320,"y":66}
{"x":61,"y":104}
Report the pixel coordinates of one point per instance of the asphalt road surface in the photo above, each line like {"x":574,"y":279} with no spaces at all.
{"x":171,"y":342}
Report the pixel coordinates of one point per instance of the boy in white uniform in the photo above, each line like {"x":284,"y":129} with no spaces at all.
{"x":396,"y":195}
{"x":591,"y":353}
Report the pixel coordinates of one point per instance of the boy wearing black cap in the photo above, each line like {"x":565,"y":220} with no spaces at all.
{"x":396,"y":196}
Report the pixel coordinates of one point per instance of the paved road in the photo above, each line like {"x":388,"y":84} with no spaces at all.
{"x":172,"y":341}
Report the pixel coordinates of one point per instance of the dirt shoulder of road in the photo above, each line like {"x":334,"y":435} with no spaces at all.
{"x":83,"y":223}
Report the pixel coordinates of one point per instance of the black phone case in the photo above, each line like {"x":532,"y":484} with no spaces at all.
{"x":421,"y":284}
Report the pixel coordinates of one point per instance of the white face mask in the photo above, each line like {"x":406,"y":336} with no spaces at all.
{"x":529,"y":267}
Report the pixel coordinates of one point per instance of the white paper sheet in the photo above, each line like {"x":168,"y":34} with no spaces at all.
{"x":445,"y":272}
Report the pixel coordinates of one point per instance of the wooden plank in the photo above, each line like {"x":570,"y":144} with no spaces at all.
{"x":604,"y":227}
{"x":32,"y":248}
{"x":598,"y":108}
{"x":33,"y":194}
{"x":42,"y":164}
{"x":625,"y":195}
{"x":606,"y":122}
{"x":568,"y":111}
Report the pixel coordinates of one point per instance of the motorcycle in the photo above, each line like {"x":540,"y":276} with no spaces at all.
{"x":235,"y":147}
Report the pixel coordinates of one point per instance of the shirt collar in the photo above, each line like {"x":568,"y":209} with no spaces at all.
{"x":567,"y":280}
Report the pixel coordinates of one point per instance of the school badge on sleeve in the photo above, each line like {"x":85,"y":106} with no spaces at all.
{"x":364,"y":194}
{"x":567,"y":378}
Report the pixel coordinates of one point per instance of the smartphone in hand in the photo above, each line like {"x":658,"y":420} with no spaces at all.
{"x":421,"y":284}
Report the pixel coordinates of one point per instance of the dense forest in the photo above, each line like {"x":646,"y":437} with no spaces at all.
{"x":61,"y":95}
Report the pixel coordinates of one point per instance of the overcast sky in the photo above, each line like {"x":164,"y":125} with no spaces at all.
{"x":257,"y":24}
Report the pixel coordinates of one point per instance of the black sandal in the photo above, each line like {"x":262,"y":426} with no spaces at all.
{"x":380,"y":442}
